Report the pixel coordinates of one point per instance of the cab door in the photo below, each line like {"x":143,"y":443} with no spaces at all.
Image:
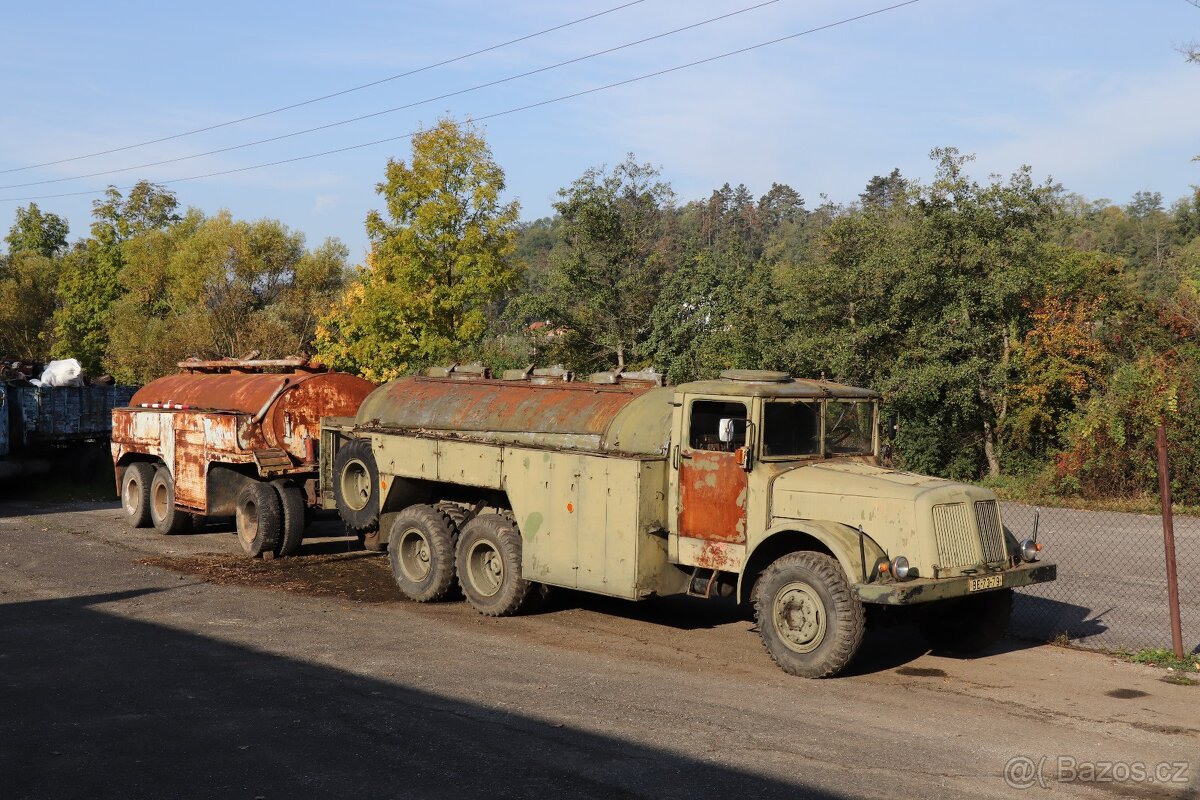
{"x":713,"y":483}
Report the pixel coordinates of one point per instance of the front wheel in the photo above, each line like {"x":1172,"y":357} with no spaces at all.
{"x":969,"y":624}
{"x":259,"y":518}
{"x":808,"y":616}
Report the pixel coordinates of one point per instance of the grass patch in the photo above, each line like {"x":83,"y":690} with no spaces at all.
{"x":1161,"y":657}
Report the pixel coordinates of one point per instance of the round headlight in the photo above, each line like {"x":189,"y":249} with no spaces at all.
{"x":900,"y":568}
{"x":1029,"y":550}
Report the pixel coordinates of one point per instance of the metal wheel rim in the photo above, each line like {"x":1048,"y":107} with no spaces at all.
{"x":159,"y":499}
{"x":800,"y":617}
{"x":247,"y":522}
{"x":133,"y":488}
{"x":485,"y":568}
{"x":356,"y":486}
{"x":414,"y":555}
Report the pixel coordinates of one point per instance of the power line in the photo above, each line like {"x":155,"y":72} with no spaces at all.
{"x":496,"y":114}
{"x":329,"y":96}
{"x":404,"y":107}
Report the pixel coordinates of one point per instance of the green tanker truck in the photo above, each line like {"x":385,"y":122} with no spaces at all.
{"x":756,"y":485}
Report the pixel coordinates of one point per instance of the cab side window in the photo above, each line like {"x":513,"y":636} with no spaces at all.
{"x":703,"y":432}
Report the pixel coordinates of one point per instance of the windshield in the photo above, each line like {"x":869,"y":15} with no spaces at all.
{"x":849,"y":427}
{"x":792,"y":428}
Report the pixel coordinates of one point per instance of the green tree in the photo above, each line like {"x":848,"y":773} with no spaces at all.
{"x":606,"y":271}
{"x":219,"y":287}
{"x":90,"y":280}
{"x":27,"y":297}
{"x":440,"y":259}
{"x":36,"y":232}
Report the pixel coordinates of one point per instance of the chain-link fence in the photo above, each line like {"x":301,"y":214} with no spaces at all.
{"x":1111,"y":591}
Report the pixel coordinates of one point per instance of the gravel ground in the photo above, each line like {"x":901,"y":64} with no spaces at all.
{"x":135,"y":665}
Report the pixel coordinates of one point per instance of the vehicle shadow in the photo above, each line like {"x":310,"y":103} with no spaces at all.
{"x":98,"y":704}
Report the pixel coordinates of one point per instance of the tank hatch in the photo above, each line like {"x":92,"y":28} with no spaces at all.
{"x":756,"y":376}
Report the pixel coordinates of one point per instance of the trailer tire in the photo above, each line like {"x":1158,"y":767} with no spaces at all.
{"x":356,"y":486}
{"x":259,"y":518}
{"x":135,"y":494}
{"x":421,"y":551}
{"x":488,"y":559}
{"x":291,"y":502}
{"x":969,"y":624}
{"x":808,"y":617}
{"x":168,"y":520}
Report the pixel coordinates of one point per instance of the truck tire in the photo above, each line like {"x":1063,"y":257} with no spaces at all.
{"x":488,"y":558}
{"x":259,"y":518}
{"x":167,"y":519}
{"x":356,"y":486}
{"x":421,"y":551}
{"x":135,"y":494}
{"x":808,"y":617}
{"x":291,"y":503}
{"x":969,"y":624}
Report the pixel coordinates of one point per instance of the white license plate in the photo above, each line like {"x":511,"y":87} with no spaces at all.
{"x":990,"y":582}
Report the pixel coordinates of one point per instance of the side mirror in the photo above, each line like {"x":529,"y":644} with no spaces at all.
{"x":725,"y":431}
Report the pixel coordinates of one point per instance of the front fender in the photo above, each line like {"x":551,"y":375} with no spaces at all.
{"x":841,"y":540}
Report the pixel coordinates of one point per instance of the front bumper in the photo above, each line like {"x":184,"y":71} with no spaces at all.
{"x":927,"y":590}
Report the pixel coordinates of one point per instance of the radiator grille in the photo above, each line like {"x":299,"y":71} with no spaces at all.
{"x":991,"y":533}
{"x":956,"y":541}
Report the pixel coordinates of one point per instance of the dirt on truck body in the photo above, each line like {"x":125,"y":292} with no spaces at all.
{"x":756,"y":485}
{"x":229,"y":438}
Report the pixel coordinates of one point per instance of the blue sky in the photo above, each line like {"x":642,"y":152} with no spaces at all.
{"x":1093,"y":94}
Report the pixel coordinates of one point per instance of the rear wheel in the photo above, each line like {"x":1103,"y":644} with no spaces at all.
{"x":808,"y":617}
{"x":969,"y":624}
{"x":488,"y":559}
{"x":292,"y":524}
{"x":166,"y":517}
{"x":421,"y":551}
{"x":356,"y":486}
{"x":259,"y":518}
{"x":135,"y":494}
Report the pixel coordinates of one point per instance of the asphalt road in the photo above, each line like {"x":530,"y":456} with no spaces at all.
{"x":1111,"y":591}
{"x":133,"y":665}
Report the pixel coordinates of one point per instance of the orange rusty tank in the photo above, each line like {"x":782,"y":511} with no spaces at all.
{"x":206,"y":441}
{"x":287,"y":407}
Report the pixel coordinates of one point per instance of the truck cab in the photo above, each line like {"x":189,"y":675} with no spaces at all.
{"x":779,"y":482}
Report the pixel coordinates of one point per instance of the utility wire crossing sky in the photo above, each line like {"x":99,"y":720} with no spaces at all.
{"x":1097,"y":96}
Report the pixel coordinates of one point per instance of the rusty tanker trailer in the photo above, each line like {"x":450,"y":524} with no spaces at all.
{"x":229,"y":438}
{"x":756,"y":485}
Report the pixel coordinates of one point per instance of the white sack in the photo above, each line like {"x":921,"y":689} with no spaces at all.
{"x":63,"y":373}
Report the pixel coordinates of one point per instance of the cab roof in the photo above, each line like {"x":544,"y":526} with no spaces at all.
{"x":761,"y":383}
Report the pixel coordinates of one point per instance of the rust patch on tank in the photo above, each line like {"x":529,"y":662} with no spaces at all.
{"x":490,"y":405}
{"x":712,"y":497}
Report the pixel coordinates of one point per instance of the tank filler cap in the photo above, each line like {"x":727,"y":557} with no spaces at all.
{"x":755,"y":376}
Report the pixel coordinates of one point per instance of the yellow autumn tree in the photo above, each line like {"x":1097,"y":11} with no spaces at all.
{"x":441,"y":256}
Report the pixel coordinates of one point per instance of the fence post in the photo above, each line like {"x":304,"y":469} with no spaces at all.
{"x":1168,"y":521}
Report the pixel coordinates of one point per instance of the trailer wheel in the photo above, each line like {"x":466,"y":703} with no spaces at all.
{"x":291,"y":501}
{"x":421,"y":550}
{"x":356,"y":486}
{"x":135,"y":494}
{"x":166,"y":517}
{"x":970,"y":624}
{"x":488,"y":558}
{"x":259,"y":518}
{"x":809,"y":620}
